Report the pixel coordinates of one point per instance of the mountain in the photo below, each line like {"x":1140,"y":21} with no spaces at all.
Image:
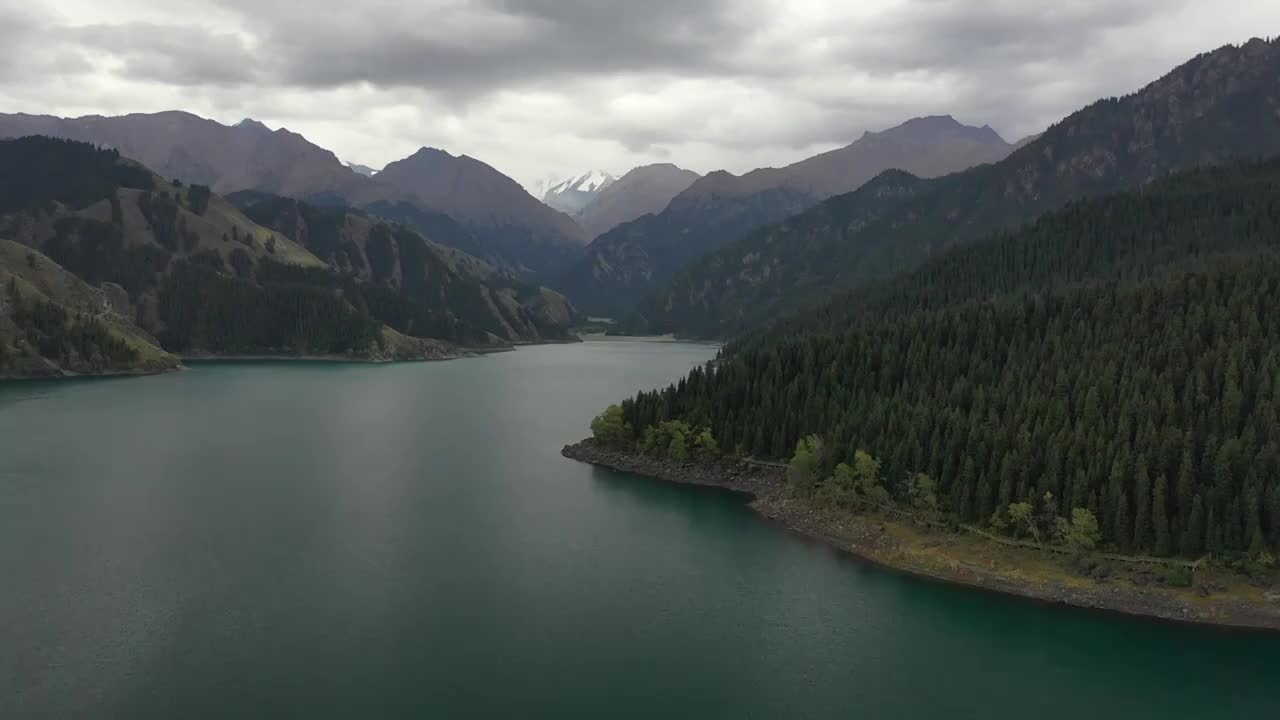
{"x":642,"y":191}
{"x":570,"y":196}
{"x":53,"y":324}
{"x":517,"y":231}
{"x":177,"y":259}
{"x":1135,"y":237}
{"x":189,"y":268}
{"x":364,"y":170}
{"x":1218,"y":105}
{"x":532,"y":239}
{"x":926,"y":147}
{"x":1117,"y":356}
{"x":625,"y":264}
{"x":398,"y":261}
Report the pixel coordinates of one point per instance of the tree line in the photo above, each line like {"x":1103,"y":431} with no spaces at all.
{"x":45,"y":171}
{"x":203,"y":309}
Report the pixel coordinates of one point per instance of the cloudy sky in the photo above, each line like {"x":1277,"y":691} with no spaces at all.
{"x":548,"y":87}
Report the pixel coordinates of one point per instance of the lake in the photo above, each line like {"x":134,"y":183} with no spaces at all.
{"x":330,"y":540}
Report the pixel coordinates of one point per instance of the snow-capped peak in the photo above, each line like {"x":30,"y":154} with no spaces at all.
{"x":573,"y":194}
{"x":590,"y":182}
{"x":361,"y":169}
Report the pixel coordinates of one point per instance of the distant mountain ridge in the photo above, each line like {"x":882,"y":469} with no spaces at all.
{"x":623,"y":265}
{"x":642,"y":191}
{"x":532,"y":238}
{"x":1216,"y":106}
{"x":925,"y":146}
{"x":517,"y":230}
{"x":193,"y":149}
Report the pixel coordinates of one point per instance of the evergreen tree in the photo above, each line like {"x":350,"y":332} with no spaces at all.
{"x":1160,"y":518}
{"x":1142,"y":505}
{"x":1186,"y":487}
{"x":1123,"y":532}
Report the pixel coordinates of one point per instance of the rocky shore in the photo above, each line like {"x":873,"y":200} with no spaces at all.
{"x":1216,"y":598}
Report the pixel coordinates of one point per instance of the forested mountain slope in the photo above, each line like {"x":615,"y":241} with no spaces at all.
{"x":53,"y":324}
{"x":1122,"y":354}
{"x":621,"y":266}
{"x":1125,"y":237}
{"x":451,"y":287}
{"x":1217,"y":106}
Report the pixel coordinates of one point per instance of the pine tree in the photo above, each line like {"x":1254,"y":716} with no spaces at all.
{"x":1186,"y":487}
{"x":984,"y":500}
{"x":1193,"y":537}
{"x":1123,"y":532}
{"x":1160,"y":518}
{"x":1213,"y":531}
{"x":1273,"y":517}
{"x":964,"y":492}
{"x":1141,"y":504}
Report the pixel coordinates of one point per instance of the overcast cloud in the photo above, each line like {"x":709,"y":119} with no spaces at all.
{"x":549,"y":87}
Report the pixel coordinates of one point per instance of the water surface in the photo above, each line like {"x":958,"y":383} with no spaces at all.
{"x":326,"y":540}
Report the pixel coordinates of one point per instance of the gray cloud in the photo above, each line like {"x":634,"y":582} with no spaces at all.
{"x":465,"y":50}
{"x":17,"y":29}
{"x":953,"y":34}
{"x":172,"y":54}
{"x":538,"y":86}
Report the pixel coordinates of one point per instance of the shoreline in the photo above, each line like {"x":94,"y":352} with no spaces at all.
{"x":927,"y":555}
{"x":668,"y":338}
{"x":345,"y":359}
{"x":460,"y":353}
{"x":69,"y":375}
